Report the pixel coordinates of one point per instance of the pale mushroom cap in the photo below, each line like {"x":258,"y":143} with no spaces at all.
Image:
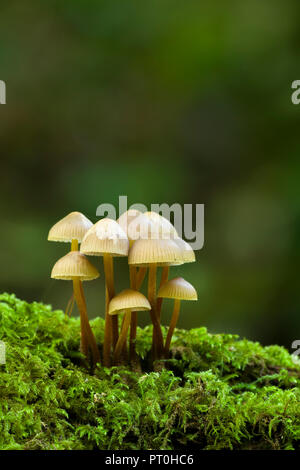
{"x":162,"y":225}
{"x":74,"y":265}
{"x":159,"y":252}
{"x":128,"y":299}
{"x":105,"y":237}
{"x":72,"y":227}
{"x":178,"y":288}
{"x":188,"y":255}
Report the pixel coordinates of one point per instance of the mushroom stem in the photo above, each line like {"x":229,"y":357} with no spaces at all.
{"x":70,"y":305}
{"x":107,"y":333}
{"x":122,"y":337}
{"x":140,"y":276}
{"x":133,"y":324}
{"x":87,"y":336}
{"x":74,"y":245}
{"x":157,"y":338}
{"x":172,"y":326}
{"x":164,"y":278}
{"x":109,"y":277}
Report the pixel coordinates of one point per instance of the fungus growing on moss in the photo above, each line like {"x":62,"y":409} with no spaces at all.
{"x":124,"y":303}
{"x":177,"y":289}
{"x":75,"y":267}
{"x":150,"y":241}
{"x":107,"y":239}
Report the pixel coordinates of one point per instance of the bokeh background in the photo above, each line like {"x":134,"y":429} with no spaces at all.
{"x":162,"y":101}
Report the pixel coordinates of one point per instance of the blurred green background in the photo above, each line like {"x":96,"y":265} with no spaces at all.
{"x":162,"y":101}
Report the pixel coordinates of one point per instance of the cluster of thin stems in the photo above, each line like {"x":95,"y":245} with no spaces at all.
{"x":115,"y":341}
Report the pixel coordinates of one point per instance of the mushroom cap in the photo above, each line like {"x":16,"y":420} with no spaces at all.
{"x":128,"y":299}
{"x":74,"y":265}
{"x":188,"y":255}
{"x":105,"y":237}
{"x":163,"y":226}
{"x":160,"y":252}
{"x":72,"y":227}
{"x":177,"y":288}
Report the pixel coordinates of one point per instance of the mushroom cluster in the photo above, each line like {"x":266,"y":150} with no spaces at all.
{"x":151,"y":243}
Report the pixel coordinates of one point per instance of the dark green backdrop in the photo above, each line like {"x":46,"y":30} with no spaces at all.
{"x":164,"y":101}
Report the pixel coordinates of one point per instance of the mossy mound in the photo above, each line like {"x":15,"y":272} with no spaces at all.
{"x":217,"y":392}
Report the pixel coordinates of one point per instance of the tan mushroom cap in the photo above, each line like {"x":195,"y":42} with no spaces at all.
{"x":105,"y":237}
{"x":72,"y":227}
{"x":162,"y":226}
{"x":128,"y":299}
{"x":178,"y":288}
{"x":74,"y":265}
{"x":159,"y":252}
{"x":188,"y":255}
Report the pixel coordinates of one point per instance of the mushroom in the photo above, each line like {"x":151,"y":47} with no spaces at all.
{"x":106,"y":238}
{"x":125,"y":302}
{"x":70,"y":229}
{"x":177,"y":289}
{"x":153,"y":253}
{"x":76,"y":267}
{"x":187,"y":256}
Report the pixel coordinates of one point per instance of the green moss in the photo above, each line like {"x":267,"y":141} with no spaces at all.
{"x":217,"y":392}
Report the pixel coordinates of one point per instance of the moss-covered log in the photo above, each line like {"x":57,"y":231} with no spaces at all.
{"x":215,"y":392}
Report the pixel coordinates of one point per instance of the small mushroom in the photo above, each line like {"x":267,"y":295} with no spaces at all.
{"x":107,"y":239}
{"x":125,"y":302}
{"x":152,"y":254}
{"x":177,"y":289}
{"x":76,"y":267}
{"x":187,"y":256}
{"x":70,"y":229}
